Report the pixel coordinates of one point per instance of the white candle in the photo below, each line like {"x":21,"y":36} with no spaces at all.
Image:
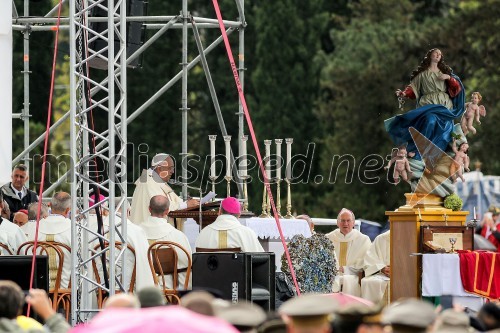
{"x":419,"y":215}
{"x":227,"y":141}
{"x":278,"y":157}
{"x":289,"y":142}
{"x":243,"y":164}
{"x":267,"y":162}
{"x":474,"y":212}
{"x":212,"y":155}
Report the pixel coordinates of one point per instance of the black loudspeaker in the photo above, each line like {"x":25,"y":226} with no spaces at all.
{"x":247,"y":275}
{"x":135,"y":34}
{"x":18,"y":269}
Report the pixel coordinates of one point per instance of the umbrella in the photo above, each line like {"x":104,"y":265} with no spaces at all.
{"x":168,"y":319}
{"x":345,"y":299}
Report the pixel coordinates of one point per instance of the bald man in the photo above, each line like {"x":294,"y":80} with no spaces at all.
{"x":154,"y":181}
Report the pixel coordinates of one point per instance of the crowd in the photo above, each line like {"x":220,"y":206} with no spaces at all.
{"x":363,"y":266}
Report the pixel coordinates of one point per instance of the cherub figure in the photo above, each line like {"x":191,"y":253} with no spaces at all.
{"x":472,"y":111}
{"x":460,"y":162}
{"x":401,"y":165}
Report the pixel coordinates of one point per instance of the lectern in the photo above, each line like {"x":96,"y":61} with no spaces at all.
{"x":420,"y":211}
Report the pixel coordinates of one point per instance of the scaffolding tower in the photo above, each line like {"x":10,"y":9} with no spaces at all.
{"x":110,"y":95}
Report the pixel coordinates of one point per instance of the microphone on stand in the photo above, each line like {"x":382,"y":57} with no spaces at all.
{"x":176,"y":182}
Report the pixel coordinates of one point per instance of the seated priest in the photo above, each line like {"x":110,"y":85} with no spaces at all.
{"x":227,"y":232}
{"x":136,"y":238}
{"x":154,"y":181}
{"x":375,"y":284}
{"x":56,"y":228}
{"x":11,"y":234}
{"x":350,"y":248}
{"x":158,"y":229}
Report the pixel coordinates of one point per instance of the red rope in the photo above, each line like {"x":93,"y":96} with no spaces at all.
{"x":254,"y":140}
{"x":45,"y":147}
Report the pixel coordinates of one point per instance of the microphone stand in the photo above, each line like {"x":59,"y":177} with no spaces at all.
{"x":175,"y":182}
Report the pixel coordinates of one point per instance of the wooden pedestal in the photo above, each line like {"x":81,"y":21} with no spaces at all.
{"x":419,"y":211}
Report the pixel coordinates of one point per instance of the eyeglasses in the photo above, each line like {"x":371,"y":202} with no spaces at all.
{"x":344,"y":220}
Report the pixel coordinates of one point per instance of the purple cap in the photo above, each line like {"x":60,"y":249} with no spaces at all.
{"x":231,"y":205}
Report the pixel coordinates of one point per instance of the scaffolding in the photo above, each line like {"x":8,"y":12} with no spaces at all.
{"x":110,"y":95}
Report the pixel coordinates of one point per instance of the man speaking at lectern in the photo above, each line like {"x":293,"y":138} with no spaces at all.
{"x":153,"y":181}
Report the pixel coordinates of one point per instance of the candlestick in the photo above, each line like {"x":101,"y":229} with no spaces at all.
{"x":288,"y":200}
{"x":288,"y":173}
{"x":278,"y":157}
{"x":243,"y":163}
{"x":227,"y":141}
{"x":212,"y":139}
{"x":267,"y":163}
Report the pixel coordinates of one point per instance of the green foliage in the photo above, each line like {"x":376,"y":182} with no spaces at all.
{"x":453,"y":202}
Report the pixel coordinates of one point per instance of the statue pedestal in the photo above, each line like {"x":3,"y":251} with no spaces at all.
{"x":420,"y":211}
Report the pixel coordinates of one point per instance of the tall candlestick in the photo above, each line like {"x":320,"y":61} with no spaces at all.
{"x":267,"y":162}
{"x":289,"y":142}
{"x":278,"y":157}
{"x":243,"y":164}
{"x":227,"y":141}
{"x":474,"y":212}
{"x":212,"y":139}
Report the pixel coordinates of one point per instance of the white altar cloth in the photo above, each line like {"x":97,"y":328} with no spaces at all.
{"x":266,"y":228}
{"x":441,"y":276}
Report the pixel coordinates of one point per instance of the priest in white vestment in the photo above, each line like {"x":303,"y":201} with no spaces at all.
{"x":350,"y":248}
{"x":157,"y":229}
{"x":137,"y":239}
{"x":56,"y":228}
{"x":227,"y":232}
{"x":10,"y":233}
{"x":375,"y":284}
{"x":153,"y":182}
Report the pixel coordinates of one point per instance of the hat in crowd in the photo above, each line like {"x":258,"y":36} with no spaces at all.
{"x":150,"y":297}
{"x":242,"y":315}
{"x":231,"y":205}
{"x":309,"y":309}
{"x":360,"y":313}
{"x":24,"y":211}
{"x":410,"y":313}
{"x":273,"y":325}
{"x":494,"y":210}
{"x":199,"y":301}
{"x":451,"y":321}
{"x":158,"y":158}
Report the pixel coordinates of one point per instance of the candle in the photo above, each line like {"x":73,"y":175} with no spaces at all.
{"x":289,"y":142}
{"x":267,"y":162}
{"x":278,"y":157}
{"x":212,"y":155}
{"x":474,"y":212}
{"x":227,"y":141}
{"x":419,"y":215}
{"x":243,"y":164}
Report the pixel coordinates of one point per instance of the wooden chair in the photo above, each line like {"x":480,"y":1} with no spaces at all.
{"x":56,"y":254}
{"x":102,"y":295}
{"x":4,"y":250}
{"x":163,"y":261}
{"x":225,"y":249}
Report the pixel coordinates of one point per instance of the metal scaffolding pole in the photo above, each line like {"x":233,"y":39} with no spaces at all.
{"x":113,"y":98}
{"x":184,"y":106}
{"x":25,"y":115}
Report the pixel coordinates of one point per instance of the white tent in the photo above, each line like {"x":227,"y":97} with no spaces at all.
{"x":479,"y":191}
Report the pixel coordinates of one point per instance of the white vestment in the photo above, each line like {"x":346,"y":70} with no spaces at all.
{"x":158,"y":229}
{"x":147,"y":186}
{"x":11,"y":235}
{"x":56,"y":228}
{"x":136,"y":238}
{"x":350,"y":250}
{"x":227,"y":232}
{"x":374,"y":285}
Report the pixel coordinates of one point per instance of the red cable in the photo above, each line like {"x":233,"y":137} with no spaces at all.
{"x":254,"y":140}
{"x":45,"y":148}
